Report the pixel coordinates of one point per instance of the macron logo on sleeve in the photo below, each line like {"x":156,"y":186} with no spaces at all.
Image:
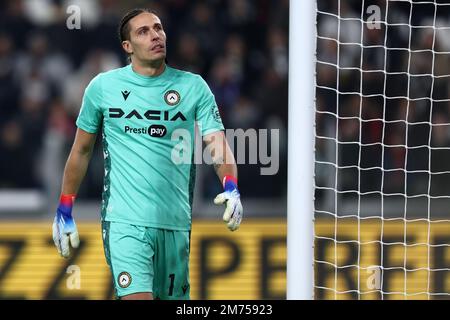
{"x":125,"y":94}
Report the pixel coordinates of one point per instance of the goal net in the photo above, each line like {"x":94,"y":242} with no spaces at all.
{"x":382,"y":150}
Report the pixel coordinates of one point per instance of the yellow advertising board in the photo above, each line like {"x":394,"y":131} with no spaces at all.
{"x":224,"y":264}
{"x":404,"y":260}
{"x":247,"y":264}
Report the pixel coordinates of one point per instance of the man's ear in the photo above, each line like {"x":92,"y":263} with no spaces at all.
{"x":126,"y":45}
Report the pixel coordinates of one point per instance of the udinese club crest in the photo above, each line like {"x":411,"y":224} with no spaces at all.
{"x":124,"y":279}
{"x":172,"y":97}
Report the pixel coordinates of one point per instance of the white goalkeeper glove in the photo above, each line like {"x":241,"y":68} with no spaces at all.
{"x":231,"y":197}
{"x":64,"y":227}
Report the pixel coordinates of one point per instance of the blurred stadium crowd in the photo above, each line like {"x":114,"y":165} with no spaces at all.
{"x":239,"y":46}
{"x":408,"y":114}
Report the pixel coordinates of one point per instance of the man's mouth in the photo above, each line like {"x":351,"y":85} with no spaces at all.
{"x":157,"y":47}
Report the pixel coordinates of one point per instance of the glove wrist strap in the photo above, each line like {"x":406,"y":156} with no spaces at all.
{"x":67,"y":199}
{"x":229,"y":182}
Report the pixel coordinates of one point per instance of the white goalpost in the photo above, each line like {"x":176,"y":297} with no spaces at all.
{"x":302,"y":48}
{"x":369,"y":150}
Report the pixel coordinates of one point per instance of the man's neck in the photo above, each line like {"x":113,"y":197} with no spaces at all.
{"x":153,"y":69}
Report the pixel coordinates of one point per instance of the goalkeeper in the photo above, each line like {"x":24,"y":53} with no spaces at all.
{"x":147,"y":197}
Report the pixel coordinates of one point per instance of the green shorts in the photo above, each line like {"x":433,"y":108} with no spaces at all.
{"x":144,"y":259}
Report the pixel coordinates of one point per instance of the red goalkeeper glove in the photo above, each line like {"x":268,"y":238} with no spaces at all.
{"x":231,"y":197}
{"x":64,"y":227}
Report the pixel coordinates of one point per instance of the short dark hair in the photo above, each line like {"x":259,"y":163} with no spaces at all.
{"x":124,"y":26}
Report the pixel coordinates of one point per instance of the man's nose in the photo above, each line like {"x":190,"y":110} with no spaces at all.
{"x":154,"y":34}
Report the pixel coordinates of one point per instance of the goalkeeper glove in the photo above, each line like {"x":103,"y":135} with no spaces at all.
{"x":233,"y":212}
{"x":64,"y":227}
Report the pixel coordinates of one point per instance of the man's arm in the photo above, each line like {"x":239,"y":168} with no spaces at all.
{"x":64,"y":227}
{"x":226,"y":169}
{"x":221,"y":154}
{"x":78,"y":161}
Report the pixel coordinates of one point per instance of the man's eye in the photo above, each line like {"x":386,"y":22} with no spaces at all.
{"x":143,"y":31}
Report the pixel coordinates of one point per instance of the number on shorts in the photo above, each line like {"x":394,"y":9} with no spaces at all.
{"x":172,"y":280}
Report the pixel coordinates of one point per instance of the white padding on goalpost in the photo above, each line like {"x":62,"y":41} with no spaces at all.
{"x":302,"y":49}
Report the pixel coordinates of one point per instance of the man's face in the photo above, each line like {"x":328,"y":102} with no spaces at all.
{"x":147,"y":38}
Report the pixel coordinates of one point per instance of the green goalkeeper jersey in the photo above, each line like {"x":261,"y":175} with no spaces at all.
{"x":141,"y":119}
